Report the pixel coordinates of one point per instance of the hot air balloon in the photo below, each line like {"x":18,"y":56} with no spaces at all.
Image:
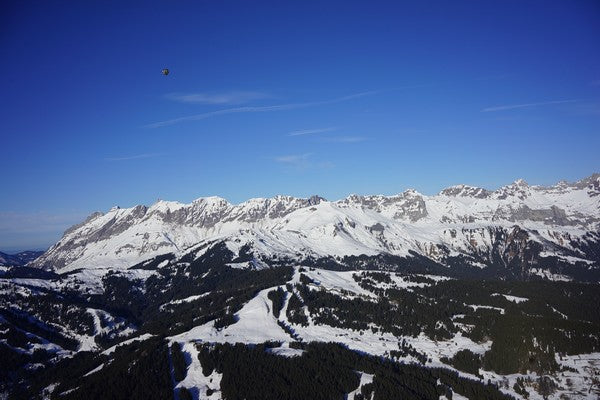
{"x":165,"y":71}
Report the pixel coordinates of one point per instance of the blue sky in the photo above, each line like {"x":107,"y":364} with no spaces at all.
{"x":296,"y":98}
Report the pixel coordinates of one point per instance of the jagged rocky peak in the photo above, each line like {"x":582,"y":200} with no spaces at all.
{"x":373,"y":202}
{"x":411,"y":207}
{"x":519,"y":189}
{"x":378,"y":199}
{"x":520,"y":183}
{"x":202,"y":212}
{"x":591,"y":183}
{"x":254,"y":210}
{"x":466,"y":191}
{"x":315,"y":199}
{"x":408,"y":205}
{"x":411,"y":193}
{"x":562,"y":186}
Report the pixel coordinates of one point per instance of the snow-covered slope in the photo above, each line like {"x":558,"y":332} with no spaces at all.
{"x":513,"y":225}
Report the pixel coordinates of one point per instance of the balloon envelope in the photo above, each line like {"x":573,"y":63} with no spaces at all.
{"x":165,"y":71}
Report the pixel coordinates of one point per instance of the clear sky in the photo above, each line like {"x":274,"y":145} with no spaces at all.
{"x":286,"y":97}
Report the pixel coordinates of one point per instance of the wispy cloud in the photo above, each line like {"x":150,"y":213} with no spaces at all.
{"x":525,"y":105}
{"x":302,"y":161}
{"x":294,"y":159}
{"x":595,"y":83}
{"x":235,"y":97}
{"x":133,"y":157}
{"x":251,"y":109}
{"x":311,"y":131}
{"x":344,"y":139}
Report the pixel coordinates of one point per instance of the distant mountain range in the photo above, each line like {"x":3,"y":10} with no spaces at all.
{"x":21,"y":258}
{"x":518,"y":231}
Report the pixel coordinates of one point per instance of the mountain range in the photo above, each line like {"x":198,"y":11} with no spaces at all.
{"x":467,"y":294}
{"x":518,"y":231}
{"x":20,"y":258}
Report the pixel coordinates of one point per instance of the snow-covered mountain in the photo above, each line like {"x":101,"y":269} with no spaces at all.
{"x":161,"y":295}
{"x":528,"y":229}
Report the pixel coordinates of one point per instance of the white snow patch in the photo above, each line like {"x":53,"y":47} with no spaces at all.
{"x":195,"y":379}
{"x":550,"y":276}
{"x":285,"y":351}
{"x":476,"y":307}
{"x":365,"y":379}
{"x":185,"y":300}
{"x":514,"y":299}
{"x":140,"y":338}
{"x":98,"y":368}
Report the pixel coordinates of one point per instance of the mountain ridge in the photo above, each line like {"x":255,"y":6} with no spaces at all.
{"x":20,"y":258}
{"x":453,"y":190}
{"x":460,"y":221}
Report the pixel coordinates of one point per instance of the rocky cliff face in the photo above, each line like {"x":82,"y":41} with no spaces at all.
{"x":529,"y":230}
